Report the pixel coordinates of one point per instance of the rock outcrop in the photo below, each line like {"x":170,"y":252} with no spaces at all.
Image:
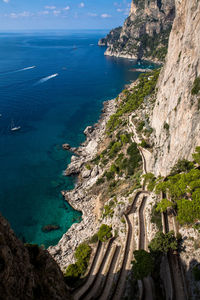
{"x":145,"y":32}
{"x":27,"y":272}
{"x":176,"y":116}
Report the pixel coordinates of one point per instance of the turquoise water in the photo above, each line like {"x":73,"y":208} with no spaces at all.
{"x":51,"y":110}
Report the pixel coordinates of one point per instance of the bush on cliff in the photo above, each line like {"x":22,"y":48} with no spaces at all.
{"x":75,"y":271}
{"x":184,"y":192}
{"x":104,"y":233}
{"x":145,"y":87}
{"x":143,"y":265}
{"x":196,"y":86}
{"x":163,"y":242}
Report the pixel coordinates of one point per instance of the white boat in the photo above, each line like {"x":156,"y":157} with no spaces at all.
{"x":14,"y":128}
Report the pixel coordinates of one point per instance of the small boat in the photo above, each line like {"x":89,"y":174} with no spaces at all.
{"x":14,"y":128}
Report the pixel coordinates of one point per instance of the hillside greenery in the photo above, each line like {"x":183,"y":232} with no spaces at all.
{"x":134,"y":98}
{"x":75,"y":271}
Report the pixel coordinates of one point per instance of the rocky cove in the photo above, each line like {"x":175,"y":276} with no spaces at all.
{"x":78,"y":198}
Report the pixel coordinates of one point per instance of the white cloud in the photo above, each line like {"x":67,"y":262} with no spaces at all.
{"x":45,"y":12}
{"x":56,"y":12}
{"x":50,"y":7}
{"x":6,"y":1}
{"x":104,"y":16}
{"x":66,"y":8}
{"x":24,"y":14}
{"x":92,"y":14}
{"x":82,"y":4}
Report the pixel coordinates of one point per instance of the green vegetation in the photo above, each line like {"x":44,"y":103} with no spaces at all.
{"x":143,"y":264}
{"x":75,"y":271}
{"x":196,"y":86}
{"x":88,"y":167}
{"x":134,"y":159}
{"x":140,"y":126}
{"x":104,"y":233}
{"x":144,"y":144}
{"x":152,"y":44}
{"x":156,"y":217}
{"x":146,"y":86}
{"x":182,"y":166}
{"x":163,"y":205}
{"x":163,"y":242}
{"x":108,"y":209}
{"x":94,"y":239}
{"x":160,"y":53}
{"x":116,"y":147}
{"x":196,"y":155}
{"x":166,"y":126}
{"x":184,"y":192}
{"x":151,"y":180}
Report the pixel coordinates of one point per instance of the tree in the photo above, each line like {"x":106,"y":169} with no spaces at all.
{"x":163,"y":205}
{"x":83,"y":252}
{"x":183,"y":165}
{"x":143,"y":264}
{"x":104,"y":233}
{"x":196,"y":155}
{"x":163,"y":242}
{"x":72,"y":271}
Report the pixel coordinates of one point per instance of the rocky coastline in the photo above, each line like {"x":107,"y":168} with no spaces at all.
{"x":78,"y":198}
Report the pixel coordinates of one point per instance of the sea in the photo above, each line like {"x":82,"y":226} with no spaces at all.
{"x":52,"y":85}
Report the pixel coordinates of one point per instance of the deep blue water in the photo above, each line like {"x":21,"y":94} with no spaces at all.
{"x":50,"y":113}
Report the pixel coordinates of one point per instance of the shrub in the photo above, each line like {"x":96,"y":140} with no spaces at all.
{"x":82,"y":252}
{"x":88,"y":167}
{"x":182,"y":166}
{"x":166,"y":126}
{"x":151,"y":180}
{"x":94,"y":239}
{"x":144,"y":144}
{"x":163,"y":205}
{"x":140,"y":126}
{"x":82,"y":255}
{"x":134,"y":158}
{"x":156,"y":217}
{"x":125,"y":138}
{"x":72,"y":271}
{"x":196,"y":86}
{"x":145,"y":87}
{"x":143,"y":264}
{"x":100,"y":181}
{"x":163,"y":242}
{"x":183,"y":190}
{"x":104,"y":233}
{"x":115,"y":149}
{"x":196,"y":155}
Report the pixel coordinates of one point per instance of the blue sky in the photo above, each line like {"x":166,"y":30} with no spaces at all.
{"x":62,"y":14}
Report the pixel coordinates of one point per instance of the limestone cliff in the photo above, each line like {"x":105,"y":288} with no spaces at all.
{"x":27,"y":272}
{"x":145,"y":32}
{"x":176,"y":116}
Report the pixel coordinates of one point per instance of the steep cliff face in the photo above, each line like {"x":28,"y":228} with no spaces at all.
{"x":27,"y":272}
{"x":176,"y":116}
{"x":145,"y":32}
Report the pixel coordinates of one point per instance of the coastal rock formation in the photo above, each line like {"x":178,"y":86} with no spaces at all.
{"x":27,"y":272}
{"x":145,"y":32}
{"x":176,"y":116}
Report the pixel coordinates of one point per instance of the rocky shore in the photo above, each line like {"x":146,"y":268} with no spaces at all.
{"x":78,"y":198}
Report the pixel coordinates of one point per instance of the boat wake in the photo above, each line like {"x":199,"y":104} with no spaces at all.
{"x":16,"y":71}
{"x":46,"y":79}
{"x":28,"y":68}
